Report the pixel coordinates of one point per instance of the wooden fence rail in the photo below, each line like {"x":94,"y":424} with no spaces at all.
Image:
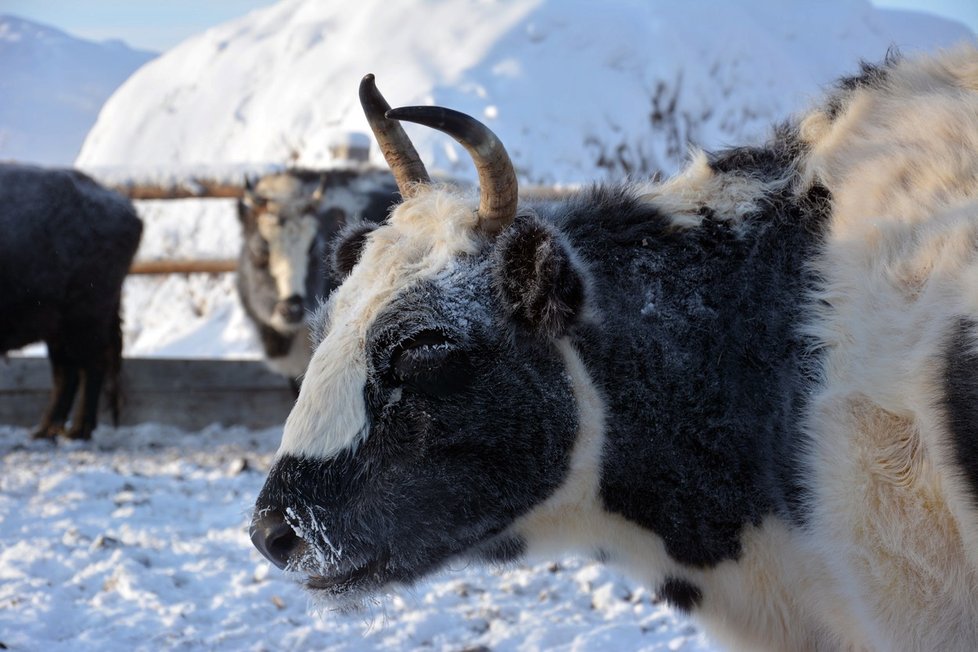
{"x":215,"y":266}
{"x":190,"y":394}
{"x":193,"y":189}
{"x":203,"y":188}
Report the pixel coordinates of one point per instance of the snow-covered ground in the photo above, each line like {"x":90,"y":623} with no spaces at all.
{"x":139,"y":542}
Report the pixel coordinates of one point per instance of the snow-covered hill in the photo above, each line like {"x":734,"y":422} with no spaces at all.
{"x":576,"y":89}
{"x":52,"y":86}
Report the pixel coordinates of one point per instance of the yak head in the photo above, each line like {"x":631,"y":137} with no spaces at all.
{"x":282,"y":245}
{"x":438,"y":407}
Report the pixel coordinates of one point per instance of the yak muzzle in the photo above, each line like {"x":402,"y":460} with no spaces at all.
{"x":291,"y":310}
{"x":274,"y":538}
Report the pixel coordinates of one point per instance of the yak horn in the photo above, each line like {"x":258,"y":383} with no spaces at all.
{"x":398,"y":151}
{"x":498,"y":191}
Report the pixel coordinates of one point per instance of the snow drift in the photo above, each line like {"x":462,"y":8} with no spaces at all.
{"x":577,"y":90}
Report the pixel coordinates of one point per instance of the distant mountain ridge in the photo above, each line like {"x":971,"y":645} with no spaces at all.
{"x":577,"y":90}
{"x":52,"y":86}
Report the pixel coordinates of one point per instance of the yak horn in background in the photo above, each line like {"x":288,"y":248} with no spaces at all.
{"x":400,"y":154}
{"x":320,"y":191}
{"x":498,"y":190}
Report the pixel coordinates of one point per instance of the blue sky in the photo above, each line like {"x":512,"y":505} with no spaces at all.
{"x":145,"y":24}
{"x":160,"y":25}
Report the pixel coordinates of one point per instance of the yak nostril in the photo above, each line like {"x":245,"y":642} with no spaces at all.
{"x":291,"y":309}
{"x":274,"y":538}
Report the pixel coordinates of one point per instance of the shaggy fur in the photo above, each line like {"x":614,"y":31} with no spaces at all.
{"x":66,"y":247}
{"x":750,"y":386}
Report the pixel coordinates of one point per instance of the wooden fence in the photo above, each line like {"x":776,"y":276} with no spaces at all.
{"x":144,"y":267}
{"x":195,"y":188}
{"x":190,"y":394}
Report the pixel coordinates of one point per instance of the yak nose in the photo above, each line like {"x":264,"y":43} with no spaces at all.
{"x":274,"y":538}
{"x":291,"y":309}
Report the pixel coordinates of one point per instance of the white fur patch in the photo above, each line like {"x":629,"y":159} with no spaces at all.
{"x":289,"y":241}
{"x":894,"y":523}
{"x":573,"y":518}
{"x":420,"y":240}
{"x":731,"y":197}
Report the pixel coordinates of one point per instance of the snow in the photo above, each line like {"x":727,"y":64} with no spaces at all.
{"x":194,"y":315}
{"x":278,"y":86}
{"x":139,"y":542}
{"x":52,"y":86}
{"x":577,"y":90}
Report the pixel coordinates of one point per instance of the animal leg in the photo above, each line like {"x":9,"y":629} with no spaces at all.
{"x":86,"y":413}
{"x":64,"y":375}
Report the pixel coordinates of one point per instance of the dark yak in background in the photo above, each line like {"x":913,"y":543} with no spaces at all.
{"x":66,"y":244}
{"x":287,"y":220}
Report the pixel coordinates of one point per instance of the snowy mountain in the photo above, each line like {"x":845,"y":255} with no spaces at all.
{"x":576,"y":89}
{"x":52,"y":86}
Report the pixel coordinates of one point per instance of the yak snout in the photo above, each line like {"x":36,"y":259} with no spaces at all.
{"x":274,"y":538}
{"x":291,"y":310}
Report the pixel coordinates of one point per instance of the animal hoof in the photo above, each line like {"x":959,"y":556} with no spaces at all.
{"x":47,"y":432}
{"x":79,"y":433}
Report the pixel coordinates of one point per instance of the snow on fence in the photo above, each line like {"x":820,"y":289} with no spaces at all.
{"x":190,"y":394}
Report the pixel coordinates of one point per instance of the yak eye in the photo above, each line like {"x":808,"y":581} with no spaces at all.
{"x":430,"y":362}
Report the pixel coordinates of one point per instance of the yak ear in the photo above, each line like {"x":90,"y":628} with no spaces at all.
{"x":347,"y":246}
{"x":538,"y":277}
{"x":249,"y":200}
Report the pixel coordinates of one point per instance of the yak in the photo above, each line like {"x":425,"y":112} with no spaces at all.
{"x":66,"y":244}
{"x":753,"y":386}
{"x":287,"y":220}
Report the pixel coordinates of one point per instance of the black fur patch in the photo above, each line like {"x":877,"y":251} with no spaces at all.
{"x":698,"y":354}
{"x":503,"y":550}
{"x":767,"y":163}
{"x":536,"y":279}
{"x":347,"y":247}
{"x":871,"y":75}
{"x":275,"y":344}
{"x":680,"y":594}
{"x":961,"y":400}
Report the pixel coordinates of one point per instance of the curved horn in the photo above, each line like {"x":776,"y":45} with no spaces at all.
{"x":498,"y":190}
{"x":317,"y":195}
{"x":398,"y":151}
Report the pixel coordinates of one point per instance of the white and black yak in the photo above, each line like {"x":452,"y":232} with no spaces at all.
{"x":753,"y":386}
{"x":287,"y":221}
{"x":66,"y":244}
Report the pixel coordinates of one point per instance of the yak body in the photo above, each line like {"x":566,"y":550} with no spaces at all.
{"x":751,"y":386}
{"x":287,"y":222}
{"x":65,"y":249}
